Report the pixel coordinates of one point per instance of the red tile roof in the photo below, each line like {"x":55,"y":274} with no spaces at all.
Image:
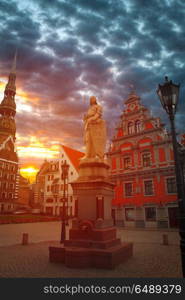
{"x":73,"y":155}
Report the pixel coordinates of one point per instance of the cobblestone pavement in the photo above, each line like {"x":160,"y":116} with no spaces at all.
{"x":11,"y":234}
{"x":151,"y":258}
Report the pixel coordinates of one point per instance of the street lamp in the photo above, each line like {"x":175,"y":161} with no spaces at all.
{"x":168,"y":94}
{"x":65,"y":170}
{"x":55,"y":191}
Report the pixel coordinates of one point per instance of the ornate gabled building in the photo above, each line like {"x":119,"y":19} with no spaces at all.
{"x":49,"y":187}
{"x":142,"y":167}
{"x":8,"y":155}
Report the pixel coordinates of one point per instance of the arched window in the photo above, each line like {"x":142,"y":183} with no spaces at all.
{"x":146,"y":157}
{"x":138,"y":126}
{"x":127,"y":162}
{"x":130,"y":127}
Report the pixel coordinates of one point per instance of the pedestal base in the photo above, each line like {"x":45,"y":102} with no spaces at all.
{"x":92,"y":239}
{"x":100,"y":249}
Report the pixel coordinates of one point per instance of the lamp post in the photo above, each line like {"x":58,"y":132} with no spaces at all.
{"x":168,"y":94}
{"x":65,"y":169}
{"x":55,"y":191}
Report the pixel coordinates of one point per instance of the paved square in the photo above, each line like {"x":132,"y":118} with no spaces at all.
{"x":151,"y":258}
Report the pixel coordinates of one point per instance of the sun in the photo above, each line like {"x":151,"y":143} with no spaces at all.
{"x":29,"y":172}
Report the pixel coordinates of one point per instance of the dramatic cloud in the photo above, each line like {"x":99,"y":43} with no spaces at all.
{"x":69,"y":50}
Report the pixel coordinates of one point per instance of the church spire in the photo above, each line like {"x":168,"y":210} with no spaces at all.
{"x":13,"y":70}
{"x":10,"y":89}
{"x":8,"y":106}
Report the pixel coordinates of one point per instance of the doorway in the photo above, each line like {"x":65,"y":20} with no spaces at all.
{"x":173,"y":213}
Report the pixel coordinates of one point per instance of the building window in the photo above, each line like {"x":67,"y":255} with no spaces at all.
{"x":49,"y":200}
{"x":5,"y":176}
{"x":130,"y":127}
{"x":150,"y":213}
{"x":146,"y":159}
{"x":137,"y":126}
{"x":11,"y":186}
{"x":48,"y":188}
{"x":48,"y":177}
{"x":171,"y":185}
{"x":128,"y":189}
{"x":11,"y":177}
{"x":129,"y":214}
{"x":71,"y":173}
{"x":148,"y":187}
{"x":127,"y":162}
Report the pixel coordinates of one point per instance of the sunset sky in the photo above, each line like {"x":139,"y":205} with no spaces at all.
{"x":71,"y":49}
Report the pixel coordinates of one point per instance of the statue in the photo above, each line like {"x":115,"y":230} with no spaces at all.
{"x":94,"y":131}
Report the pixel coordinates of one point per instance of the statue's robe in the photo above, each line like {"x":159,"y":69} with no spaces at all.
{"x":95,"y":139}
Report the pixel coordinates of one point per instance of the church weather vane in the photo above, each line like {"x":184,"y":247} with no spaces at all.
{"x":132,"y":88}
{"x":14,"y":65}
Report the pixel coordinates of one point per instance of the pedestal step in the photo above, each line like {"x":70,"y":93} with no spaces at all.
{"x":80,"y":257}
{"x":95,"y":234}
{"x":92,"y":244}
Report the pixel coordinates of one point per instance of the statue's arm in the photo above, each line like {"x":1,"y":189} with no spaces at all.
{"x":97,"y":114}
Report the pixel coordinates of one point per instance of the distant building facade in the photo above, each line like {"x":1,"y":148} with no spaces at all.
{"x":37,"y":201}
{"x":142,"y":167}
{"x":8,"y":155}
{"x":49,"y":187}
{"x":24,"y":193}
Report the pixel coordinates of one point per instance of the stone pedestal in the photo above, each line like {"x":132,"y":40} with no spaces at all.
{"x":92,"y":238}
{"x":93,"y":192}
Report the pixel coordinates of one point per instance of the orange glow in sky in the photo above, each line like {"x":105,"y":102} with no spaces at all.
{"x":39,"y":150}
{"x":2,"y":84}
{"x":25,"y":96}
{"x":43,"y":153}
{"x":34,"y":148}
{"x":36,"y":151}
{"x":29,"y":172}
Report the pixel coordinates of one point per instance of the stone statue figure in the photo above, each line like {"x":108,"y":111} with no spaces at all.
{"x":94,"y":131}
